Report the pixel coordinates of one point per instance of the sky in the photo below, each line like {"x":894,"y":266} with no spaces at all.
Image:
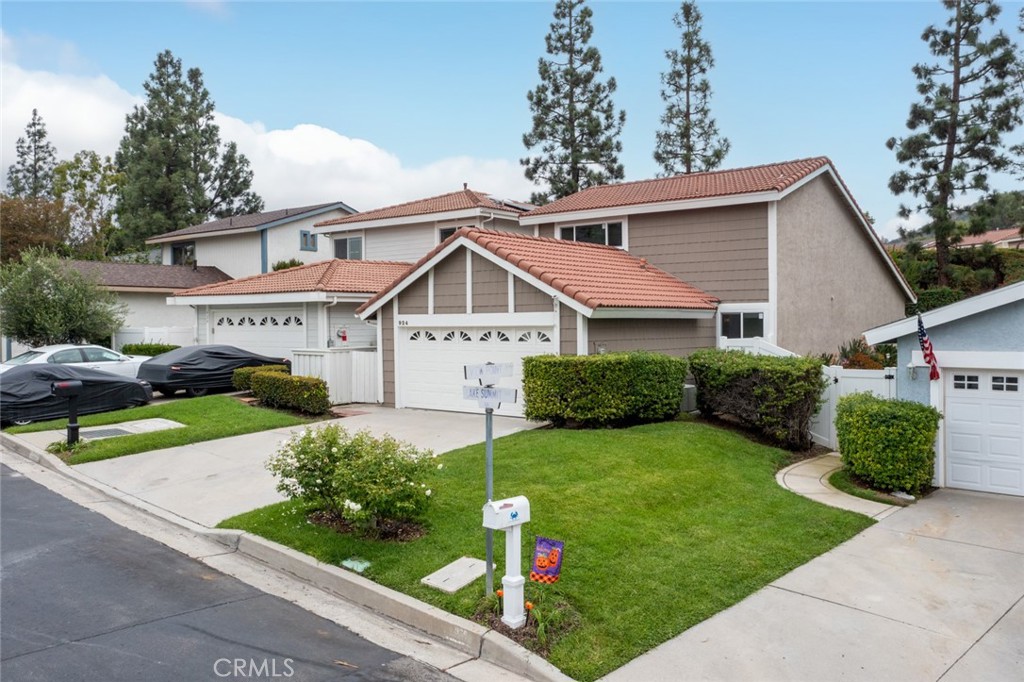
{"x":376,"y":103}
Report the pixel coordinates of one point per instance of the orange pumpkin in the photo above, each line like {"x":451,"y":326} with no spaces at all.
{"x":542,"y":561}
{"x":553,"y":557}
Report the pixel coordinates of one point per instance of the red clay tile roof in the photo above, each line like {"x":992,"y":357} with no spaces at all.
{"x":771,"y":177}
{"x":333,"y":276}
{"x":148,"y":276}
{"x":990,"y":237}
{"x":453,"y":201}
{"x":246,"y":222}
{"x":592,"y":274}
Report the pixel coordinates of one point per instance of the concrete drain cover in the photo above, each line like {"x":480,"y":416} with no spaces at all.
{"x":104,"y":433}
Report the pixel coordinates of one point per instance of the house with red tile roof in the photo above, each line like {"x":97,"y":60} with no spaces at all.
{"x":1005,"y":238}
{"x":245,"y":245}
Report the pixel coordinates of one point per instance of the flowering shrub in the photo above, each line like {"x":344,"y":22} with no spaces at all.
{"x":360,"y":477}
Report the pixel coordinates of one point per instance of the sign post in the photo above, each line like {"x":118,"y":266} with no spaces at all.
{"x":489,"y":398}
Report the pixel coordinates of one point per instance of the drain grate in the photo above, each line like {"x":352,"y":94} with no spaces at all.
{"x":104,"y":433}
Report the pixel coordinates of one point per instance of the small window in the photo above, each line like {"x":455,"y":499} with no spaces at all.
{"x":307,"y":240}
{"x":487,"y":336}
{"x":611,"y":234}
{"x":225,"y":322}
{"x":450,"y":336}
{"x":348,"y":248}
{"x":502,"y":336}
{"x":463,"y":336}
{"x":541,"y":336}
{"x":1006,"y":384}
{"x":183,"y":254}
{"x":967,"y":382}
{"x":525,"y":337}
{"x":445,"y":232}
{"x":742,"y":325}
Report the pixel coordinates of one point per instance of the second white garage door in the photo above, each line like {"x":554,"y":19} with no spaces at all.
{"x":430,"y":371}
{"x":984,"y":424}
{"x":267,"y":332}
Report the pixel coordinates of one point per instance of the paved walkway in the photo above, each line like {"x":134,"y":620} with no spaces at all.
{"x":810,"y":479}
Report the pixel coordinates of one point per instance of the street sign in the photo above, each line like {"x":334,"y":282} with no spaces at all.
{"x":490,"y":397}
{"x":489,"y":372}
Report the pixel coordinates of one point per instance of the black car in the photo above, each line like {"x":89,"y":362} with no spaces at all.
{"x":197,"y":369}
{"x":25,"y":394}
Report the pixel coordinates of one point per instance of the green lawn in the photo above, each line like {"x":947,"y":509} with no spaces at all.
{"x":207,"y":418}
{"x":664,"y":526}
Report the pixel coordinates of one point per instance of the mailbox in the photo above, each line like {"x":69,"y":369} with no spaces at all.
{"x":504,"y":514}
{"x":66,"y":389}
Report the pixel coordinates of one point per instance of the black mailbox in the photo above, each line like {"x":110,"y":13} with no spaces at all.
{"x":66,"y":389}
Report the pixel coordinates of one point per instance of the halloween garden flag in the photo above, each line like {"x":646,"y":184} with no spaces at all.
{"x":547,"y":560}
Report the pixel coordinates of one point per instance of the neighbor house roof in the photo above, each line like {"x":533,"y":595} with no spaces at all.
{"x":330,"y":276}
{"x":773,"y":177}
{"x":451,"y":203}
{"x":147,"y":277}
{"x":249,"y":222}
{"x":996,"y":298}
{"x":592,"y":275}
{"x":1007,"y":234}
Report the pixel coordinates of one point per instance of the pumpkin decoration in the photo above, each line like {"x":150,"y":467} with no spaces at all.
{"x":541,"y":561}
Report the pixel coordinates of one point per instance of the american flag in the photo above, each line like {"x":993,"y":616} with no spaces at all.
{"x":926,"y":348}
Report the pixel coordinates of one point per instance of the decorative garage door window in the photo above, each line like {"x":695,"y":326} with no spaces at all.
{"x":457,"y":335}
{"x":225,"y":322}
{"x":968,"y":382}
{"x":498,"y":335}
{"x":422,"y":336}
{"x":246,"y":322}
{"x":267,"y":321}
{"x":528,"y":337}
{"x":1007,"y":384}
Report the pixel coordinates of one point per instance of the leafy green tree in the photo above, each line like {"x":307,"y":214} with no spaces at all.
{"x":27,"y":223}
{"x":88,"y":186}
{"x":575,"y":126}
{"x":967,"y":104}
{"x":176,"y":171}
{"x":688,"y":141}
{"x":45,"y":302}
{"x":32,"y":172}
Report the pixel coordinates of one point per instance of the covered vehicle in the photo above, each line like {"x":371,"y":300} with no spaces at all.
{"x":198,"y":369}
{"x":25,"y":392}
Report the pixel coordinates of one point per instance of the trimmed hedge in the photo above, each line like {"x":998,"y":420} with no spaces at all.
{"x":615,"y":389}
{"x":929,"y":299}
{"x":888,"y":443}
{"x":241,"y":378}
{"x":147,"y":348}
{"x":777,"y":396}
{"x":304,"y":394}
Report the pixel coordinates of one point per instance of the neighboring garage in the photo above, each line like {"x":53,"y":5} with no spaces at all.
{"x":979,"y":345}
{"x":268,"y":331}
{"x":488,"y":296}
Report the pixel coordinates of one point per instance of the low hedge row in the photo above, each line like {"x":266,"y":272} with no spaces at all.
{"x":888,"y":443}
{"x":304,"y":394}
{"x":147,"y":348}
{"x":615,"y":389}
{"x":777,"y":396}
{"x":241,"y":378}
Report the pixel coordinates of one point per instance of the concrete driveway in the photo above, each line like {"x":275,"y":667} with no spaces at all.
{"x":934,"y":591}
{"x":210,"y":481}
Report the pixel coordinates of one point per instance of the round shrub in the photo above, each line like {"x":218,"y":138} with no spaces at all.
{"x":241,"y":378}
{"x":888,"y":443}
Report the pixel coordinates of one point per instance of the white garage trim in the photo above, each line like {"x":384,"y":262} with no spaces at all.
{"x":476,"y":320}
{"x":581,"y":334}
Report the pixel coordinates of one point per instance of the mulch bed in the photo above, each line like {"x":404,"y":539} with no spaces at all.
{"x":389,"y":531}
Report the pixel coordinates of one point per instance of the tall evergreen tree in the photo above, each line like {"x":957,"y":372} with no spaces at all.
{"x":31,"y":176}
{"x":688,"y":141}
{"x":968,"y":103}
{"x":575,"y":125}
{"x":176,"y":172}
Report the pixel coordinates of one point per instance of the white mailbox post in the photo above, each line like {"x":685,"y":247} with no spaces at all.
{"x":509,"y":515}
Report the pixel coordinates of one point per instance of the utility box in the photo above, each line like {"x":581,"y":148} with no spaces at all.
{"x":504,"y":514}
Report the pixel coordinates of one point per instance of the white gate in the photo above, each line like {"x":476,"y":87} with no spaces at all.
{"x":881,"y":382}
{"x":350,"y":373}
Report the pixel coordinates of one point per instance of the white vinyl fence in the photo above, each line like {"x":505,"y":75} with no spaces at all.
{"x":350,"y":373}
{"x":881,"y":382}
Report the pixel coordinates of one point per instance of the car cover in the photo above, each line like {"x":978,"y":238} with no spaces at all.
{"x":206,"y":366}
{"x":25,"y":392}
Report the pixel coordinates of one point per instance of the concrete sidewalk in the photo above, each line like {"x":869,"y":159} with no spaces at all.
{"x":210,"y":481}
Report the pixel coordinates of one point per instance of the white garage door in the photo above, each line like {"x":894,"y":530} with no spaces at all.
{"x":268,"y":332}
{"x":430,"y":373}
{"x":984,"y":423}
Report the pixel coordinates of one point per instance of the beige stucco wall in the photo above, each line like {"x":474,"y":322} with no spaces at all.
{"x":833,"y":282}
{"x":673,"y":337}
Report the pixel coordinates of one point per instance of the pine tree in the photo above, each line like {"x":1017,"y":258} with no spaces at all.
{"x":968,"y":103}
{"x":688,"y":141}
{"x":31,"y":176}
{"x":574,"y":121}
{"x":176,"y":173}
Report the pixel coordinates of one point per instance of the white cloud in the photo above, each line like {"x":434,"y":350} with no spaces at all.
{"x":304,"y":164}
{"x":914,"y":221}
{"x":214,"y":8}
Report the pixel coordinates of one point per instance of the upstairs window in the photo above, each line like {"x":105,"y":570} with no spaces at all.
{"x":348,"y":248}
{"x":445,"y":232}
{"x":610,"y":234}
{"x":307,"y":240}
{"x":183,"y":254}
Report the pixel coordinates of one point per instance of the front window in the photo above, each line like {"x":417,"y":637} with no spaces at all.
{"x":611,"y":234}
{"x":742,"y":325}
{"x":348,"y":248}
{"x":307,"y":240}
{"x":183,"y":254}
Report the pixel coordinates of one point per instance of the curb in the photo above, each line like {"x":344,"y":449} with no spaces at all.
{"x":462,"y":634}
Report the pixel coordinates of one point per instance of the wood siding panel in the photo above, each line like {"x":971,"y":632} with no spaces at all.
{"x":530,"y":299}
{"x":401,"y":242}
{"x":387,"y":328}
{"x":360,"y":334}
{"x":567,"y":330}
{"x":672,"y":337}
{"x":724,"y":251}
{"x":414,"y":299}
{"x":450,"y":284}
{"x":490,"y":286}
{"x":833,"y":282}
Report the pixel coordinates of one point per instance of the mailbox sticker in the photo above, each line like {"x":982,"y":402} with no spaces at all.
{"x":547,"y":560}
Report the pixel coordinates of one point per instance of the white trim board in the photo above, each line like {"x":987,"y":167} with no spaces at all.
{"x":264,"y":299}
{"x":544,"y":319}
{"x":960,"y":359}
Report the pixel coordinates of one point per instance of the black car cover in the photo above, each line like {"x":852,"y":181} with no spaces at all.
{"x":208,"y":366}
{"x":25,"y":392}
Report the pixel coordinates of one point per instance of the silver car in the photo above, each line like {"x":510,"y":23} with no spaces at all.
{"x":93,"y":357}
